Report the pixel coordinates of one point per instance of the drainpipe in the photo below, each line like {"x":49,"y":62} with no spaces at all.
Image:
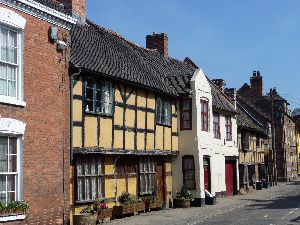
{"x":72,"y":76}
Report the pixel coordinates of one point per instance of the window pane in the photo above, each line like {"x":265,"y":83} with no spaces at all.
{"x":12,"y":163}
{"x":189,"y":175}
{"x":100,"y":167}
{"x":2,"y":197}
{"x":142,"y":183}
{"x":87,"y":189}
{"x":79,"y":167}
{"x":3,"y":154}
{"x":11,"y":182}
{"x":2,"y":183}
{"x":79,"y":188}
{"x":100,"y":187}
{"x":188,"y":164}
{"x":11,"y":196}
{"x":87,"y":168}
{"x":94,"y":188}
{"x":3,"y":41}
{"x":93,"y":167}
{"x":190,"y":184}
{"x":158,"y":110}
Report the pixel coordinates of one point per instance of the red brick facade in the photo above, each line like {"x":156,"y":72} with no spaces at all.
{"x":47,"y":116}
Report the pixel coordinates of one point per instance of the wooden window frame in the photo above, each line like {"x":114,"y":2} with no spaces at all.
{"x":216,"y":127}
{"x":204,"y":115}
{"x":99,"y":88}
{"x":100,"y":178}
{"x":188,"y":111}
{"x":160,"y":102}
{"x":185,"y":157}
{"x":228,"y":127}
{"x":151,"y":175}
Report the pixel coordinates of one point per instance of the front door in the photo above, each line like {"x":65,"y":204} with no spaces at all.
{"x":160,"y":180}
{"x":206,"y":178}
{"x":229,"y":177}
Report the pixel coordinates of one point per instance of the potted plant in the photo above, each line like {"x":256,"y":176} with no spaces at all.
{"x":152,"y":201}
{"x":87,"y":216}
{"x":128,"y":205}
{"x":103,"y":211}
{"x":13,"y":208}
{"x":183,"y":198}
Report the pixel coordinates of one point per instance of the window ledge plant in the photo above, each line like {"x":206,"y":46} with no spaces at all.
{"x":13,"y":208}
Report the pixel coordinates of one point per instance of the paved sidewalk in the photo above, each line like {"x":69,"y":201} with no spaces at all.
{"x":199,"y":214}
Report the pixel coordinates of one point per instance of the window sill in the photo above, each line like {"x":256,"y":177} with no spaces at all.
{"x":99,"y":114}
{"x":161,"y":124}
{"x":12,"y":218}
{"x":12,"y":101}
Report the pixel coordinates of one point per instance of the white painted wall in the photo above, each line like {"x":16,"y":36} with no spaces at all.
{"x":201,"y":143}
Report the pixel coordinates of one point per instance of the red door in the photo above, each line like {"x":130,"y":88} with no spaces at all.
{"x":229,"y":177}
{"x":206,"y":178}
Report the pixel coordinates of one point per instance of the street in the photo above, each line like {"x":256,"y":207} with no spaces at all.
{"x":279,"y":205}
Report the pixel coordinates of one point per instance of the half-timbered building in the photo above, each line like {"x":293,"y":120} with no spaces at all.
{"x":254,"y":142}
{"x":124,"y":117}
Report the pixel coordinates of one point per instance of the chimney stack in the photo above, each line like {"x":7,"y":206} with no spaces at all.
{"x":77,"y":7}
{"x":220,"y":83}
{"x":256,"y":84}
{"x":158,"y":42}
{"x":231,"y":94}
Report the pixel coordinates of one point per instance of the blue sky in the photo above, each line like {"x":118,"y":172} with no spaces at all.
{"x":227,"y":38}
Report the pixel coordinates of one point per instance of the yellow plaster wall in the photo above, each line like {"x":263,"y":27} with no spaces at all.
{"x":140,"y":141}
{"x":109,"y":188}
{"x":141,"y":101}
{"x":121,"y":186}
{"x":169,"y":186}
{"x":129,"y":140}
{"x":109,"y":165}
{"x":141,"y":119}
{"x":168,"y":135}
{"x":132,"y":185}
{"x":151,"y":100}
{"x":118,"y":96}
{"x":90,"y":131}
{"x":150,"y":141}
{"x":77,"y":110}
{"x":173,"y":109}
{"x":77,"y":89}
{"x":129,"y":118}
{"x":131,"y":99}
{"x":118,"y":116}
{"x":174,"y":125}
{"x":150,"y":121}
{"x":77,"y":137}
{"x":118,"y":139}
{"x":159,"y":137}
{"x":175,"y":143}
{"x":105,"y":132}
{"x":168,"y":167}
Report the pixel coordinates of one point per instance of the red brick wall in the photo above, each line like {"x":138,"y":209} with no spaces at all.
{"x":47,"y":124}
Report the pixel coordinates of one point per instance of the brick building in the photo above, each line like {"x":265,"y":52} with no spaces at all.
{"x":34,"y":108}
{"x":284,"y":125}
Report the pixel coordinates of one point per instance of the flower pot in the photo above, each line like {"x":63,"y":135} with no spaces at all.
{"x":259,"y":185}
{"x":182,"y":203}
{"x":210,"y":200}
{"x":85,"y":219}
{"x":104,"y":213}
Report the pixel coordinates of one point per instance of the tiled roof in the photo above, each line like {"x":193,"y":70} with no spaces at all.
{"x":219,"y":99}
{"x":99,"y":50}
{"x":249,"y":118}
{"x":54,"y":5}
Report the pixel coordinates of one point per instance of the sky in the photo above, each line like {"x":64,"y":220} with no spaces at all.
{"x":228,"y":39}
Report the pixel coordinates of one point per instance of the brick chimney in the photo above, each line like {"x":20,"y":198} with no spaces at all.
{"x":256,"y":84}
{"x":231,"y":94}
{"x":220,"y":83}
{"x":158,"y":42}
{"x":78,"y":7}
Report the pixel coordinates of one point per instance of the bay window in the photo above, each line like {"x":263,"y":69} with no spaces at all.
{"x":147,"y":175}
{"x":186,"y":114}
{"x":217,"y":133}
{"x":99,"y":97}
{"x":204,"y":115}
{"x":90,"y":179}
{"x":163,"y":112}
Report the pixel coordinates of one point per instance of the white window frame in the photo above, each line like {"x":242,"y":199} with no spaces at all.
{"x":12,"y":21}
{"x":18,"y":173}
{"x":163,"y":117}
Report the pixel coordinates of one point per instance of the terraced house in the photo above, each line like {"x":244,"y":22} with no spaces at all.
{"x":208,"y":156}
{"x":255,"y":144}
{"x":124,"y":117}
{"x":34,"y":109}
